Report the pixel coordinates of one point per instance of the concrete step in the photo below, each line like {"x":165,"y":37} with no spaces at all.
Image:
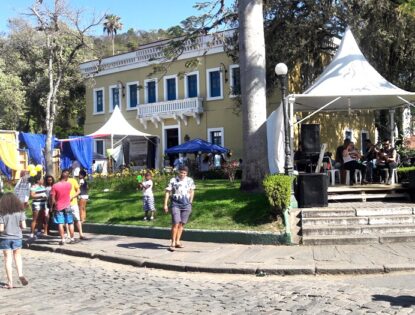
{"x":365,"y":196}
{"x":392,"y":211}
{"x":341,"y":230}
{"x":347,"y":221}
{"x":399,"y":219}
{"x":327,"y":212}
{"x":396,"y":238}
{"x":344,"y":240}
{"x":329,"y":221}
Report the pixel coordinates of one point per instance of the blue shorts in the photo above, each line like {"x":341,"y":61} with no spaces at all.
{"x":62,"y":217}
{"x":10,"y":244}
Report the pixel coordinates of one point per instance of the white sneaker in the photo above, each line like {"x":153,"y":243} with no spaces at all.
{"x":152,"y":218}
{"x":145,"y":219}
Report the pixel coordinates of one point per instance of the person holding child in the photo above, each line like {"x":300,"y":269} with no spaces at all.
{"x":148,"y":197}
{"x":12,"y":221}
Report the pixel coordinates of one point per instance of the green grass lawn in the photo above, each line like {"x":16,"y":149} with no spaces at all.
{"x":218,"y":205}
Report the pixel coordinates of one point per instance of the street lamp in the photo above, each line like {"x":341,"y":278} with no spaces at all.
{"x":281,"y":70}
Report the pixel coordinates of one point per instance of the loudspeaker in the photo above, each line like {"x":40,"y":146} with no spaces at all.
{"x":310,"y":138}
{"x":312,"y":190}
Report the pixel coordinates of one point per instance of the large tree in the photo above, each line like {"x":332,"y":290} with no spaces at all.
{"x":63,"y":38}
{"x":11,"y":98}
{"x":253,"y":87}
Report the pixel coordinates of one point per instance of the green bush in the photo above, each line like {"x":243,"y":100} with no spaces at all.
{"x":278,"y":190}
{"x":406,"y":169}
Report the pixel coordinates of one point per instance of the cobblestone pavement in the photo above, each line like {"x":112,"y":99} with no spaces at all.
{"x":61,"y":284}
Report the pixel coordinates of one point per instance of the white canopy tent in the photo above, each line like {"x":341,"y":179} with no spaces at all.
{"x":117,"y":126}
{"x":349,"y":82}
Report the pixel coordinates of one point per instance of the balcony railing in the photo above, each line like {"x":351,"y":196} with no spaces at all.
{"x":177,"y":109}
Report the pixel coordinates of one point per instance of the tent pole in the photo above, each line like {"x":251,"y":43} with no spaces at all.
{"x":392,"y":126}
{"x":320,"y":109}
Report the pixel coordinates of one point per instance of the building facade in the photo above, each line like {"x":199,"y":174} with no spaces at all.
{"x":185,"y":102}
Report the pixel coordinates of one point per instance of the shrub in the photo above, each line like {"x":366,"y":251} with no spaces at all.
{"x":126,"y":180}
{"x":278,"y":190}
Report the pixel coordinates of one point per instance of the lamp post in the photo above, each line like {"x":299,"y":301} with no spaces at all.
{"x":281,"y":70}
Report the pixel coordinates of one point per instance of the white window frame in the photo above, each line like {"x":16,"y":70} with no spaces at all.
{"x":165,"y":78}
{"x":146,"y":91}
{"x":221,"y":129}
{"x":171,"y":127}
{"x":363,"y":131}
{"x":95,"y":101}
{"x":231,"y":68}
{"x":186,"y":91}
{"x":95,"y":146}
{"x":208,"y":71}
{"x":128,"y":95}
{"x":111,"y":98}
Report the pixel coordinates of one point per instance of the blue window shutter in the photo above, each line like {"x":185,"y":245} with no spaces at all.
{"x":100,"y":105}
{"x":214,"y":78}
{"x":151,"y":92}
{"x":192,"y":85}
{"x":171,"y":89}
{"x":236,"y":81}
{"x":115,"y":97}
{"x":133,"y":95}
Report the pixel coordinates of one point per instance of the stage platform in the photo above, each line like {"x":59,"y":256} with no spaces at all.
{"x":369,"y":191}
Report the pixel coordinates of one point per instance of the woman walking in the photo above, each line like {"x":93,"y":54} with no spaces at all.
{"x":12,"y":221}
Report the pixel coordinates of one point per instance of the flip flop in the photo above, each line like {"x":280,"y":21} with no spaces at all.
{"x":171,"y":249}
{"x":179,"y":246}
{"x":7,"y":286}
{"x":23,"y":281}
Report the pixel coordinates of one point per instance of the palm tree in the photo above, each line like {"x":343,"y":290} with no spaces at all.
{"x":253,"y":86}
{"x":111,"y":25}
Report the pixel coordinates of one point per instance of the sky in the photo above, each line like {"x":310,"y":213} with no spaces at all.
{"x":138,"y":14}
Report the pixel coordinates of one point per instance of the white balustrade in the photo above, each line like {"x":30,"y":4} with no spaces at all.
{"x":144,"y":55}
{"x":167,"y":109}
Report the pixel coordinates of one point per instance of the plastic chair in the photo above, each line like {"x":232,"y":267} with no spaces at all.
{"x":357,"y":177}
{"x":332,"y":176}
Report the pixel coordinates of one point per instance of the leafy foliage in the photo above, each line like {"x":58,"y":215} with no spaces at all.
{"x":278,"y":190}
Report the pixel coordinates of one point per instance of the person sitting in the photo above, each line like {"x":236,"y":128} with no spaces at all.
{"x":351,"y":159}
{"x":369,"y":159}
{"x":339,"y":154}
{"x":386,"y":161}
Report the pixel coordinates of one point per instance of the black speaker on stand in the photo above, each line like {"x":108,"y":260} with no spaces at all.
{"x":312,"y":190}
{"x":310,"y":138}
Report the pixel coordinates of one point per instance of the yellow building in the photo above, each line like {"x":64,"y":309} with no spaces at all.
{"x":185,"y":102}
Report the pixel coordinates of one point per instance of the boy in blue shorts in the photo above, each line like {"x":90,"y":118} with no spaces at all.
{"x":181,"y":192}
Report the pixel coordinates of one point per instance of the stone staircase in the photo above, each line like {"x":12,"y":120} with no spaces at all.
{"x":358,"y":223}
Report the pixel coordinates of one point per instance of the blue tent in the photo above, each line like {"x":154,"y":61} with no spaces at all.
{"x":197,"y":145}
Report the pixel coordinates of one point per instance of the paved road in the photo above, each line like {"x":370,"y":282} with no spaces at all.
{"x":61,"y":284}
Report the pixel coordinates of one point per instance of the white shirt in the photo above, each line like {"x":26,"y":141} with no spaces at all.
{"x":149,"y":190}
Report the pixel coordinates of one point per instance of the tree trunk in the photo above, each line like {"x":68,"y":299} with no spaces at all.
{"x":253,"y":88}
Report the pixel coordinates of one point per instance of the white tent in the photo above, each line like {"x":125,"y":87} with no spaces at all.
{"x":348,"y":82}
{"x":118,"y":128}
{"x":117,"y":125}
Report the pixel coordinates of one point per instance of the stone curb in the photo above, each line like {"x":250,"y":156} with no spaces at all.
{"x":260,"y":271}
{"x":192,"y":235}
